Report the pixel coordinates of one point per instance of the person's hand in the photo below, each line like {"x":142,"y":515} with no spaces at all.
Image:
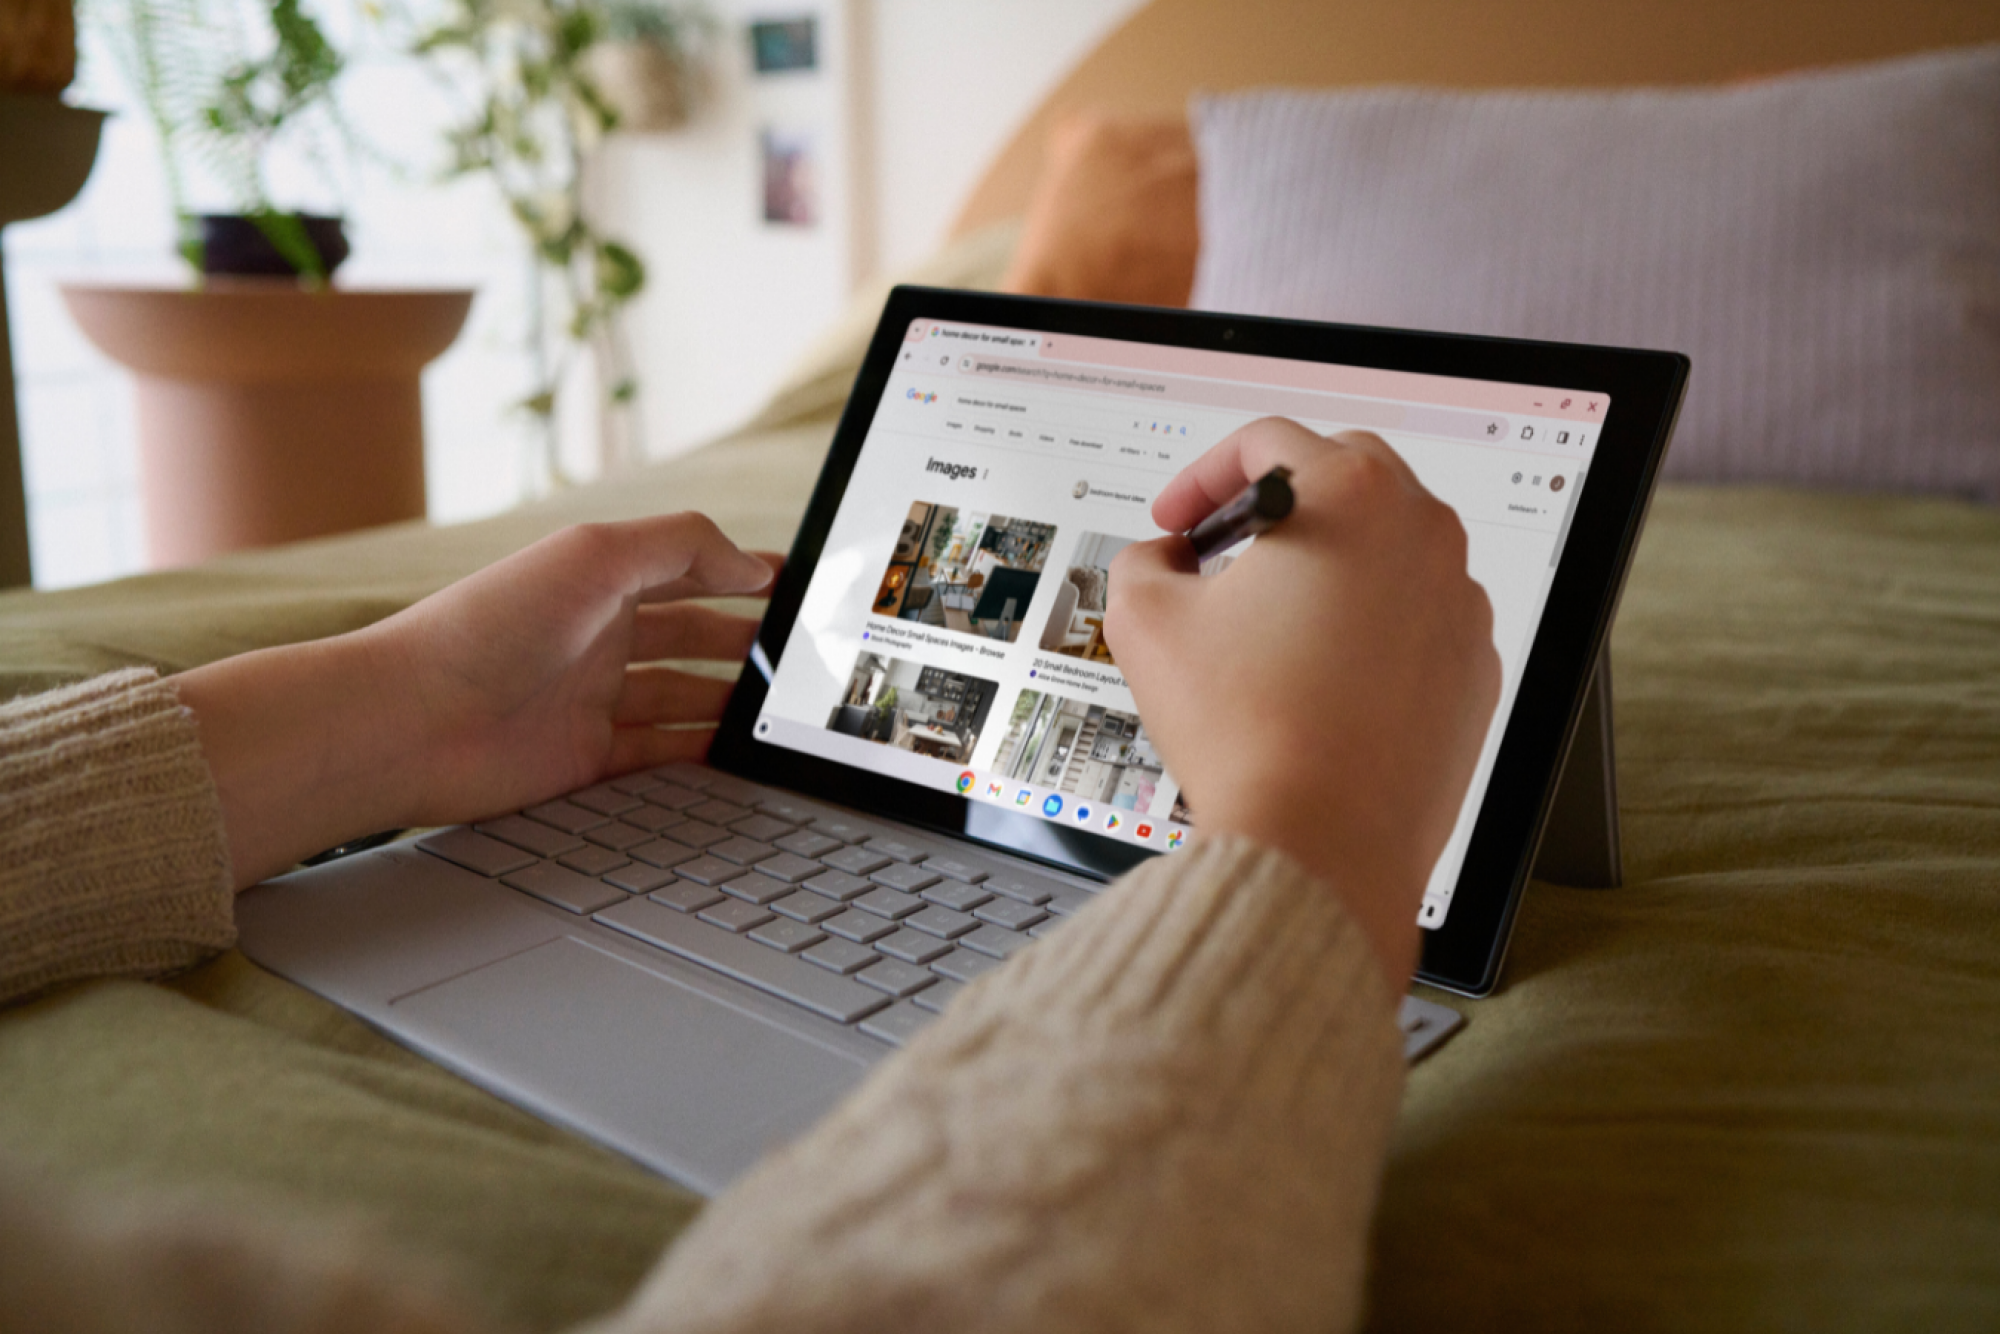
{"x":1328,"y":692}
{"x":526,"y":680}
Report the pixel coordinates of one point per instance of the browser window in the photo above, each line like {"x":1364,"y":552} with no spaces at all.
{"x":952,"y":633}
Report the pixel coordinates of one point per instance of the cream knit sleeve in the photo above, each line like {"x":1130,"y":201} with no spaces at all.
{"x":112,"y":859}
{"x":1170,"y":1115}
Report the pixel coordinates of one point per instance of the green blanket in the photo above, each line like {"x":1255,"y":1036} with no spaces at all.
{"x":1757,"y":1087}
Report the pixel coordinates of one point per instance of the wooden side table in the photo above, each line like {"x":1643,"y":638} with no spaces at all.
{"x":269,"y":413}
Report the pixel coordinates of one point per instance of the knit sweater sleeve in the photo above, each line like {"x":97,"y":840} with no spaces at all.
{"x":1170,"y":1115}
{"x":112,"y":861}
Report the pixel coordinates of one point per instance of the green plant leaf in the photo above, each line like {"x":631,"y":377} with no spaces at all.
{"x":620,"y":273}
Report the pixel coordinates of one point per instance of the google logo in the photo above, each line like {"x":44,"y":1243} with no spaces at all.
{"x":918,"y":396}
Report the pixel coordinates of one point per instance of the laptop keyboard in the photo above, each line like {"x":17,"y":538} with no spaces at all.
{"x":864,"y":925}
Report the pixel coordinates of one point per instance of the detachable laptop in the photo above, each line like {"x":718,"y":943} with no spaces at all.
{"x":932,"y":759}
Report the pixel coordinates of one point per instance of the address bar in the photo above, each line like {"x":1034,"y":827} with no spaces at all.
{"x":1372,"y":413}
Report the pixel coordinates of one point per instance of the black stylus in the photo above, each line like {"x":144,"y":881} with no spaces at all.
{"x":1256,"y":508}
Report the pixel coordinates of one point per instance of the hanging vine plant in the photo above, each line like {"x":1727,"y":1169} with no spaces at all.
{"x":533,"y":111}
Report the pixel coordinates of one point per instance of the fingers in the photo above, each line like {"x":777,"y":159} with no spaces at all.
{"x":670,"y":556}
{"x":663,"y":695}
{"x":688,"y":630}
{"x":644,"y":747}
{"x":1144,"y":575}
{"x":1243,"y":456}
{"x":1247,"y":454}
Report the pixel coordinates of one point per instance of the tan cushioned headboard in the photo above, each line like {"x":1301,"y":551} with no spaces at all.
{"x":1173,"y":48}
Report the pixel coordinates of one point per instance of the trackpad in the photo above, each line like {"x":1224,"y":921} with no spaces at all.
{"x":675,"y":1078}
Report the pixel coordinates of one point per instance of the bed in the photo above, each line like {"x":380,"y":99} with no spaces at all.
{"x":1756,"y":1087}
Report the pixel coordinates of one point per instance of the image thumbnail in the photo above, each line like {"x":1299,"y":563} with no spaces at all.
{"x":963,"y":570}
{"x":1076,"y":622}
{"x":906,"y":705}
{"x":1095,"y":753}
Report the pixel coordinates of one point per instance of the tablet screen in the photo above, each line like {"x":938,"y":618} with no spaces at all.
{"x":952,"y":633}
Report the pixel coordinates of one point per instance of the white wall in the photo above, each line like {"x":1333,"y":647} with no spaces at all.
{"x":953,"y":79}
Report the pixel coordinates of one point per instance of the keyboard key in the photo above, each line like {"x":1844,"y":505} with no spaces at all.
{"x":901,"y":851}
{"x":755,"y":888}
{"x":818,"y":989}
{"x":995,"y":941}
{"x":1067,"y":902}
{"x":787,"y":936}
{"x":909,"y":879}
{"x":618,"y":836}
{"x":841,"y":956}
{"x":735,"y":915}
{"x":697,"y":834}
{"x":807,"y":843}
{"x":789,"y":809}
{"x":532,"y":835}
{"x":686,"y":896}
{"x":1014,"y":916}
{"x":708,"y":870}
{"x":839,"y":885}
{"x":888,"y":903}
{"x":674,"y":797}
{"x":963,"y":965}
{"x":806,"y":907}
{"x":936,"y":998}
{"x":912,"y":946}
{"x":847,"y":831}
{"x":688,"y":775}
{"x":859,"y":927}
{"x":717,"y":812}
{"x":896,"y":978}
{"x":652,"y":818}
{"x":1023,"y":891}
{"x":787,"y":866}
{"x":564,"y":888}
{"x":742,"y":851}
{"x":593,"y":861}
{"x":941,"y":922}
{"x":855,"y":861}
{"x":636,"y":784}
{"x":762,"y":828}
{"x":897,"y":1024}
{"x":639,"y":879}
{"x":564,"y":815}
{"x":734,"y":789}
{"x":1046,"y":928}
{"x":604,"y":799}
{"x":956,"y":895}
{"x":475,"y":852}
{"x":661,"y":852}
{"x":954,"y":868}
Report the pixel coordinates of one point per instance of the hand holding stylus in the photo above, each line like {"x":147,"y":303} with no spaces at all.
{"x":1328,"y":692}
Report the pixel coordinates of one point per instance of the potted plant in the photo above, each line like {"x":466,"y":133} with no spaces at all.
{"x":271,"y":406}
{"x":541,"y":82}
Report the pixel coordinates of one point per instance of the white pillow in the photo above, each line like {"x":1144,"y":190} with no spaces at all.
{"x":1825,"y":246}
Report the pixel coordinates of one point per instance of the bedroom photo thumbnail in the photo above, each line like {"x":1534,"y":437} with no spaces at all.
{"x":1082,"y":750}
{"x":964,"y":570}
{"x":908,"y":706}
{"x":1076,"y":619}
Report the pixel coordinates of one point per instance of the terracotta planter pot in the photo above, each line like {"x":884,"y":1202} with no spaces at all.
{"x":269,"y":413}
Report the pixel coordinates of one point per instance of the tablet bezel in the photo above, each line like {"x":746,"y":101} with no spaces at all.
{"x":1465,"y":954}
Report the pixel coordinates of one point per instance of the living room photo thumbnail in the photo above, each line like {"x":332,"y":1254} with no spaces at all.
{"x":1076,"y":620}
{"x":906,"y":705}
{"x":1094,"y":753}
{"x":960,"y":569}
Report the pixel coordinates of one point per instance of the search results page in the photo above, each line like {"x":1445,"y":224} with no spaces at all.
{"x":952,"y":635}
